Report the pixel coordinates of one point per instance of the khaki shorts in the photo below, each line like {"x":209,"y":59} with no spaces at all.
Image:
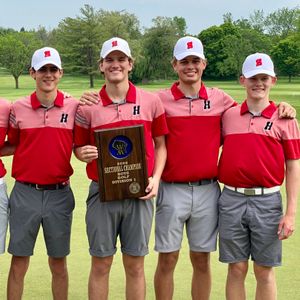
{"x":195,"y":207}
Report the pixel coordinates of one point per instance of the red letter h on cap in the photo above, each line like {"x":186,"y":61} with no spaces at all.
{"x":189,"y":45}
{"x":259,"y":62}
{"x":47,"y":53}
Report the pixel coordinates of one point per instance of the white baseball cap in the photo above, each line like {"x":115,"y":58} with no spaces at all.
{"x":115,"y":44}
{"x":258,"y":63}
{"x":187,"y":46}
{"x":44,"y":56}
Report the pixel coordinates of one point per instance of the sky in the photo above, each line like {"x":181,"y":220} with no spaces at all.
{"x":198,"y":14}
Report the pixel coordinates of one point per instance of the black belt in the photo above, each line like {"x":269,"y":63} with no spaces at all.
{"x":56,"y":186}
{"x":198,"y":182}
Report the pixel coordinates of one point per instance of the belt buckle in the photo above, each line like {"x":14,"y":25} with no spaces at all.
{"x":194,"y":183}
{"x":37,"y":187}
{"x":249,"y":192}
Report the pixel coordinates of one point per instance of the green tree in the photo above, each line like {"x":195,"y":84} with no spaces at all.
{"x":286,"y":55}
{"x":78,"y":40}
{"x":282,"y":22}
{"x":180,"y":25}
{"x":215,"y":40}
{"x":158,"y":42}
{"x":119,"y":23}
{"x":227,"y":18}
{"x":227,"y":45}
{"x":43,"y":35}
{"x":15,"y":52}
{"x":4,"y":31}
{"x":258,"y":21}
{"x":237,"y":47}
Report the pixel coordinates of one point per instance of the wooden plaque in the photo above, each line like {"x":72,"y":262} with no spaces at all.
{"x":122,"y":166}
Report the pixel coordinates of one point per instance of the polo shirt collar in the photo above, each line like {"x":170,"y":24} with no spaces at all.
{"x":267,"y":112}
{"x":178,"y":94}
{"x":35,"y":103}
{"x":130,"y":96}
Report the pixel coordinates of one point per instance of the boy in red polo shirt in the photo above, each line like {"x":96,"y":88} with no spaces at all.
{"x":259,"y":151}
{"x":189,"y":191}
{"x":120,"y":104}
{"x":4,"y":114}
{"x":41,"y":128}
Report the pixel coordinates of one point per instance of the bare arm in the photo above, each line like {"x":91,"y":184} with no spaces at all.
{"x":7,"y":149}
{"x":160,"y":160}
{"x":287,"y":224}
{"x":286,"y":111}
{"x":86,"y":153}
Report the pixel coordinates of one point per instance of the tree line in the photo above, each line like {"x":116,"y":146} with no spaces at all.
{"x":79,"y":41}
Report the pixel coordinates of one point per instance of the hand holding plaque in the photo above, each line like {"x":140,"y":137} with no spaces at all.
{"x":122,"y":166}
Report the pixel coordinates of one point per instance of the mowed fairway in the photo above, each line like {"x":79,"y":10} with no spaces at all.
{"x":38,"y":279}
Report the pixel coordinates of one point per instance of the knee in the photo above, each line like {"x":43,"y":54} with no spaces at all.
{"x":264,"y":275}
{"x":167,"y":261}
{"x":100,"y":266}
{"x":19,"y":266}
{"x":58,"y":267}
{"x":134,"y":266}
{"x":238,"y":271}
{"x":134,"y":270}
{"x":200,"y":261}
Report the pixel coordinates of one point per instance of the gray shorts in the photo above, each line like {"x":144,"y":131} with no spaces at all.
{"x":248,"y":226}
{"x":194,"y":206}
{"x":31,"y":208}
{"x":3,"y":216}
{"x":130,"y":219}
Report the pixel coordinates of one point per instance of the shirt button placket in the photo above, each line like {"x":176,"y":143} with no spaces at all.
{"x":251,"y":124}
{"x":119,"y":113}
{"x":45,"y":117}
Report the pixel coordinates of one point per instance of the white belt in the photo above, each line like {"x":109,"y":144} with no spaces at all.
{"x":1,"y":180}
{"x":254,"y":191}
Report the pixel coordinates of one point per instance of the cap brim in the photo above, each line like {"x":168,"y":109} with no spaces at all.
{"x":48,"y":62}
{"x":259,"y":71}
{"x":188,"y":53}
{"x":103,"y":55}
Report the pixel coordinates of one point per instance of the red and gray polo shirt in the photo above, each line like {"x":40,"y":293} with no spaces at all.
{"x":4,"y":115}
{"x":140,"y":107}
{"x":256,"y":147}
{"x":44,"y":139}
{"x":194,"y":133}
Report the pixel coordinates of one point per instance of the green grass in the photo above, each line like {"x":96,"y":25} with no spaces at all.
{"x":37,"y":282}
